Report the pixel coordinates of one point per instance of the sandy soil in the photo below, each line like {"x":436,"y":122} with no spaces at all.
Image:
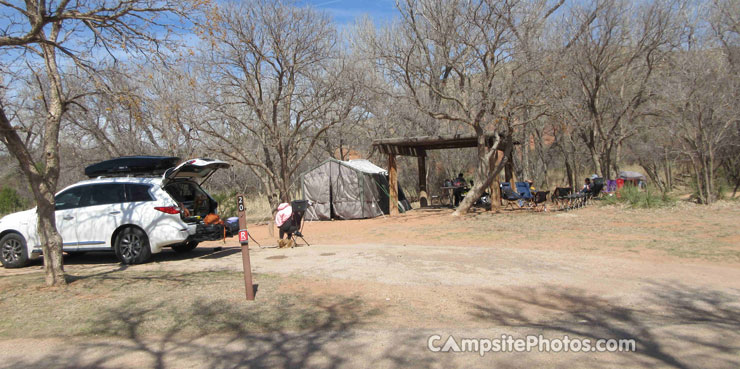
{"x":670,"y":279}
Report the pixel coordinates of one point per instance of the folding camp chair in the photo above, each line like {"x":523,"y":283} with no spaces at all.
{"x":510,"y":196}
{"x":293,"y":226}
{"x":560,"y":196}
{"x":581,"y":199}
{"x":575,"y":200}
{"x":524,"y":192}
{"x":540,"y":200}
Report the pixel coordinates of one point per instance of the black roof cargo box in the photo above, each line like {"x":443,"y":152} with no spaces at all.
{"x":131,"y":166}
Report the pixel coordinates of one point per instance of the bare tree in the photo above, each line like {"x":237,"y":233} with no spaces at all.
{"x":139,"y":109}
{"x":283,"y":84}
{"x":467,"y":64}
{"x":38,"y":34}
{"x":615,"y":49}
{"x":701,"y":113}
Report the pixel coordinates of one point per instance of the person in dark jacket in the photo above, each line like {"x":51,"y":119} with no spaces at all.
{"x":586,"y":186}
{"x":459,"y":184}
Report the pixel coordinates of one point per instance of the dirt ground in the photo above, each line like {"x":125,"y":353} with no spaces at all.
{"x":372,"y":292}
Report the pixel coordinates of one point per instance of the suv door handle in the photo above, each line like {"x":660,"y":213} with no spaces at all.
{"x":68,"y":217}
{"x":115,"y":212}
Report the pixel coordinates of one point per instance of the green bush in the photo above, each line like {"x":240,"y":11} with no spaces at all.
{"x":647,"y":198}
{"x":226,"y":204}
{"x":10,"y":201}
{"x":255,"y":206}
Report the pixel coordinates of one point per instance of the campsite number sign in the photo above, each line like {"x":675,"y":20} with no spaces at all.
{"x":240,"y":205}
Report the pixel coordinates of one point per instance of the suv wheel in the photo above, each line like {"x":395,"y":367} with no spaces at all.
{"x":132,"y":246}
{"x":13,"y":251}
{"x":184,"y":247}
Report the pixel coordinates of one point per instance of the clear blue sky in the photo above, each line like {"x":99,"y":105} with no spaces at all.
{"x":345,"y":11}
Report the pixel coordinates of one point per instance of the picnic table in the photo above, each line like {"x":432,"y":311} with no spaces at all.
{"x":448,"y":195}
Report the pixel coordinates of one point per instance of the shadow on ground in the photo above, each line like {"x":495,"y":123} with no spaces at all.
{"x":102,"y":257}
{"x":215,"y":334}
{"x":675,"y":326}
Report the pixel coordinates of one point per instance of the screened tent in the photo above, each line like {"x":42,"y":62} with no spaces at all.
{"x":353,"y":189}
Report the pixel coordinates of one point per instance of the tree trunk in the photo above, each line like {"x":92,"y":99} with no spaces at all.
{"x":707,"y":177}
{"x":617,"y":159}
{"x":569,"y":173}
{"x":595,"y":159}
{"x":699,"y":182}
{"x":606,"y":164}
{"x":576,"y":172}
{"x":484,"y":175}
{"x":526,"y":173}
{"x":668,"y":174}
{"x":51,"y":241}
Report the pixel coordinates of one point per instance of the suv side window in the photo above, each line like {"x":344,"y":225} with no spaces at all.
{"x":73,"y":198}
{"x":138,"y":192}
{"x":106,"y":193}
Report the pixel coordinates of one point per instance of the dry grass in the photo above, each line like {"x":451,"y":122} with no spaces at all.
{"x":124,"y":303}
{"x":684,"y":230}
{"x":140,"y":302}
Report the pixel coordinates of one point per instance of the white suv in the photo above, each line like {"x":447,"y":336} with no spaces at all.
{"x":135,"y":210}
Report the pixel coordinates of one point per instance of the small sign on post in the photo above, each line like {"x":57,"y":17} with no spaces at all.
{"x":244,"y":241}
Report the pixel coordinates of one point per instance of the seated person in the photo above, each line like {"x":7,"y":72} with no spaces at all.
{"x":287,"y":221}
{"x":586,"y":186}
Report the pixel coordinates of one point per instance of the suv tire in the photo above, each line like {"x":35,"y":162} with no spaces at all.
{"x":132,"y":246}
{"x":13,"y":252}
{"x":185,"y":247}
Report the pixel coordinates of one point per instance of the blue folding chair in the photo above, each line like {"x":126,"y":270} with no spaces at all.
{"x":522,"y":188}
{"x":510,"y":196}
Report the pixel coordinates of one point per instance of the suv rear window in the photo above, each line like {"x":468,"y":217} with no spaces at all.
{"x":106,"y":193}
{"x":137,"y":192}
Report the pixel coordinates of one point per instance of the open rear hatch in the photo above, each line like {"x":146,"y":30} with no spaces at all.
{"x":198,"y":170}
{"x":183,"y":183}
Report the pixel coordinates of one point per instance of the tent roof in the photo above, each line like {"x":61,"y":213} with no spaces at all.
{"x":631,"y":175}
{"x":360,"y":165}
{"x":364,"y":165}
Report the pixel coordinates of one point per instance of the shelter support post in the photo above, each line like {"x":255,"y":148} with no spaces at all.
{"x":423,"y":195}
{"x":392,"y":185}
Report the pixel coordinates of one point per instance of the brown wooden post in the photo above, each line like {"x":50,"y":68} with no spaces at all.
{"x":495,"y":189}
{"x":244,"y":241}
{"x":423,"y":195}
{"x":392,"y":185}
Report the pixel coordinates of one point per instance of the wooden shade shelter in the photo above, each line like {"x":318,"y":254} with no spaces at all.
{"x":418,"y":147}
